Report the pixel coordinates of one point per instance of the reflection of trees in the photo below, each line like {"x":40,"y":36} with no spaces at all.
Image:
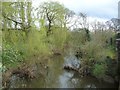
{"x":74,"y":80}
{"x":78,"y":82}
{"x":54,"y":70}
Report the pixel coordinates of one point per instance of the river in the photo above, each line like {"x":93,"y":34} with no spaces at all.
{"x":57,"y":77}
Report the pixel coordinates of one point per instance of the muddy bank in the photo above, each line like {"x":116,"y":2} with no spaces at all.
{"x":83,"y":72}
{"x":26,"y":71}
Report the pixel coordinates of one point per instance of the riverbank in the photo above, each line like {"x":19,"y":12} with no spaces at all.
{"x":28,"y":70}
{"x":50,"y":73}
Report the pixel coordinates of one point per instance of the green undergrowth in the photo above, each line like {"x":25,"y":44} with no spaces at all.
{"x":17,"y":48}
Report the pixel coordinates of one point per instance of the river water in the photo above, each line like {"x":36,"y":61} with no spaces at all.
{"x":57,"y":77}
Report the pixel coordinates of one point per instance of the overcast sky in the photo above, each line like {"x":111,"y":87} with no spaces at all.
{"x":98,"y":9}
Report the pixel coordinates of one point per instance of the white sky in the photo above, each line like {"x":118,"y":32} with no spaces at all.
{"x":96,"y":10}
{"x":105,"y":9}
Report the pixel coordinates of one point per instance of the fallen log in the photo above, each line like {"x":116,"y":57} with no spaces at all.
{"x":83,"y":71}
{"x":67,"y":67}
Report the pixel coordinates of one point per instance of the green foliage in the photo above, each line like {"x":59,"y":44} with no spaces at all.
{"x":111,"y":66}
{"x":19,"y":45}
{"x":13,"y":50}
{"x":99,"y":70}
{"x":51,"y":11}
{"x":11,"y":55}
{"x":76,"y":39}
{"x":58,"y":38}
{"x":37,"y":43}
{"x":103,"y":37}
{"x":97,"y":47}
{"x":2,"y":68}
{"x":13,"y":36}
{"x":93,"y":51}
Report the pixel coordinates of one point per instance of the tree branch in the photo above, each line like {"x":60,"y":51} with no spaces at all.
{"x":11,"y":19}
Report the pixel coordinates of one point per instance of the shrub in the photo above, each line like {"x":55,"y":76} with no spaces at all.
{"x":58,"y":38}
{"x":11,"y":55}
{"x":99,"y":70}
{"x":95,"y":52}
{"x":37,"y":44}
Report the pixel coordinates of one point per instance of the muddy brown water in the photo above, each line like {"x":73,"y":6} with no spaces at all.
{"x":57,"y":77}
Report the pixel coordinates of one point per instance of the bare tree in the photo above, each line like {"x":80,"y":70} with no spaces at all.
{"x":82,"y":21}
{"x":97,"y":25}
{"x":69,"y":18}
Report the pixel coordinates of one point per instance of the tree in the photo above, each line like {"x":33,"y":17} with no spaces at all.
{"x":116,"y":23}
{"x":97,"y":25}
{"x":68,"y":18}
{"x":52,"y":13}
{"x":16,"y":16}
{"x":109,"y":25}
{"x":82,"y":20}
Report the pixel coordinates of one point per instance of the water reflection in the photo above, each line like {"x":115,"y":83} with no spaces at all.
{"x":64,"y":79}
{"x":56,"y":77}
